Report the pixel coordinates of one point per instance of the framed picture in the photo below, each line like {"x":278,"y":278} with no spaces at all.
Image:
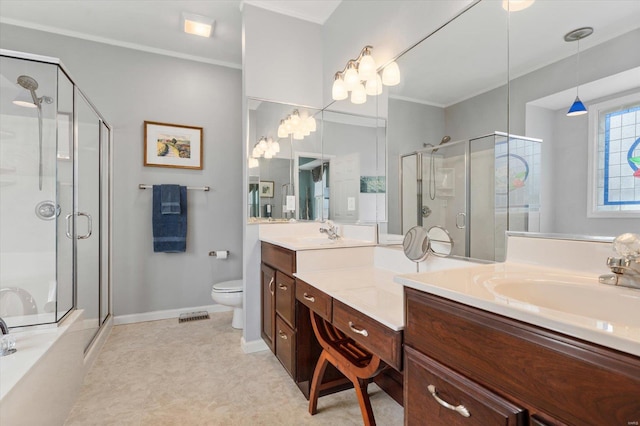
{"x":172,"y":145}
{"x":266,"y":189}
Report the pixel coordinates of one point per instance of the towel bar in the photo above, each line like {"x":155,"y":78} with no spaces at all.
{"x":199,"y":188}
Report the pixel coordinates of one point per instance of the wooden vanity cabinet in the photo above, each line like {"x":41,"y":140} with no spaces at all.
{"x":286,"y":325}
{"x":478,"y":357}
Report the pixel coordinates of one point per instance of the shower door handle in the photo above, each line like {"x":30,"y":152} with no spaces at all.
{"x":462,"y":216}
{"x":69,"y":216}
{"x":90,"y":226}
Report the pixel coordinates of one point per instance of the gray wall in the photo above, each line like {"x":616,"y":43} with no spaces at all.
{"x":129,"y":87}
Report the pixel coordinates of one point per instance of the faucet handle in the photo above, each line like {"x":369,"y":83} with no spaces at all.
{"x":627,"y":245}
{"x":618,"y":264}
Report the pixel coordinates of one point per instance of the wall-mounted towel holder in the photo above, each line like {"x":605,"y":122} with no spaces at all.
{"x":198,"y":188}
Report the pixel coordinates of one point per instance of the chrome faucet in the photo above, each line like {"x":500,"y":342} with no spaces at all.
{"x":331,"y":230}
{"x":3,"y":327}
{"x":7,"y":343}
{"x":626,"y":269}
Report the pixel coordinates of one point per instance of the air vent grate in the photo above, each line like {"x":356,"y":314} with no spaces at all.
{"x":193,"y":316}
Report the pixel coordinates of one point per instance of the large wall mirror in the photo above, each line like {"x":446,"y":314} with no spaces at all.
{"x":478,"y":137}
{"x":311,"y":164}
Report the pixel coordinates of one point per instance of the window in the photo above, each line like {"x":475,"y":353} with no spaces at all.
{"x":615,"y":158}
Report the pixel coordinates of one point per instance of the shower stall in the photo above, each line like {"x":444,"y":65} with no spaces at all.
{"x":477,"y":189}
{"x":54,"y":197}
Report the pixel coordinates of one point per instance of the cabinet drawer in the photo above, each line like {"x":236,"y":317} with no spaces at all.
{"x":285,"y":297}
{"x":376,"y":337}
{"x":317,"y":301}
{"x":423,"y":375}
{"x":280,"y":258}
{"x":285,"y":346}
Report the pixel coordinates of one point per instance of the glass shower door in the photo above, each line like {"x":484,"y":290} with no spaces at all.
{"x":87,"y":217}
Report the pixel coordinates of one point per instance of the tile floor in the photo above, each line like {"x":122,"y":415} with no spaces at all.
{"x":195,"y":373}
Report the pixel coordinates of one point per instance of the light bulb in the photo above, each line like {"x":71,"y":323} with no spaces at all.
{"x":391,"y":75}
{"x":268,"y":155}
{"x":295,"y":118}
{"x":262,"y":143}
{"x":367,"y":66}
{"x":374,"y":86}
{"x":256,"y":153}
{"x":359,"y":95}
{"x":312,"y":123}
{"x":276,"y":147}
{"x":339,"y":89}
{"x":298,"y":136}
{"x":287,"y":125}
{"x":351,"y":77}
{"x":282,"y":132}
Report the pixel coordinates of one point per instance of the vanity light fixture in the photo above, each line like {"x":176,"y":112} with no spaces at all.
{"x":360,"y":77}
{"x":577,"y":108}
{"x":197,"y":24}
{"x":516,"y":5}
{"x":297,"y":124}
{"x":265,"y":147}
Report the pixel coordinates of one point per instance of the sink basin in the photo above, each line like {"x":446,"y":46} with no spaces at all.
{"x":567,"y":294}
{"x":317,"y":240}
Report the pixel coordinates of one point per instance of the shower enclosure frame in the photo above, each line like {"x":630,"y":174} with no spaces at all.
{"x":102,"y":230}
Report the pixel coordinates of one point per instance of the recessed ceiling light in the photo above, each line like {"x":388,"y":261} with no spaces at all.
{"x":516,"y":5}
{"x":197,"y":24}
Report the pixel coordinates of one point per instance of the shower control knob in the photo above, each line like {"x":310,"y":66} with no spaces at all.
{"x":47,"y":210}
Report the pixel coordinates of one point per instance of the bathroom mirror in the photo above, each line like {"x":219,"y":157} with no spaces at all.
{"x":441,"y":241}
{"x":336,"y":172}
{"x":416,"y":244}
{"x":506,"y":65}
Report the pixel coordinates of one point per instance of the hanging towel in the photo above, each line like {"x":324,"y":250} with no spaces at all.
{"x":169,"y":230}
{"x":170,"y":199}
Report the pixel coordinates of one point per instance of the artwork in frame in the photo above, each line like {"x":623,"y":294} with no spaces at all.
{"x":172,"y":145}
{"x":266,"y":189}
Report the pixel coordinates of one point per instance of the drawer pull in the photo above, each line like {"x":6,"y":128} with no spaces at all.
{"x":362,"y":331}
{"x":282,"y":335}
{"x":309,"y":298}
{"x":282,"y":287}
{"x":271,"y":285}
{"x":460,"y":409}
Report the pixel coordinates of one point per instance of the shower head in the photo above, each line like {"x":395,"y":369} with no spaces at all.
{"x":28,"y":83}
{"x":445,"y":140}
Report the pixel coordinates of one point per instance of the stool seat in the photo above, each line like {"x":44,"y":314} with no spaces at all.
{"x":351,"y":359}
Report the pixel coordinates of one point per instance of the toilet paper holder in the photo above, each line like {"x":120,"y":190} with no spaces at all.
{"x":221,"y":254}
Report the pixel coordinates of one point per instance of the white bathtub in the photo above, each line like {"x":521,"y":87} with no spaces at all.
{"x":41,"y":381}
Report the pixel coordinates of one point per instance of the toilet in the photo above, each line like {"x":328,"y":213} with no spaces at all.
{"x":229,"y":293}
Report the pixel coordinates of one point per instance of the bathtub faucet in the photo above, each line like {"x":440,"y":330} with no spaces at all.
{"x":626,"y":269}
{"x":3,"y":327}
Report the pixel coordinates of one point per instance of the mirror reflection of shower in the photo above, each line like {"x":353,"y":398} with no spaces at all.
{"x":30,"y":84}
{"x":432,"y":168}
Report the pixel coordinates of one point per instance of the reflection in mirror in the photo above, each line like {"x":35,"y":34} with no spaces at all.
{"x":588,"y":182}
{"x":441,"y":241}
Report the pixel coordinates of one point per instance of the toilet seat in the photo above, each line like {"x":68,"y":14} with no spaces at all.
{"x":234,"y":286}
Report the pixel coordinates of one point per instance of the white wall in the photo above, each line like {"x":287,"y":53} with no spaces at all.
{"x":129,"y":87}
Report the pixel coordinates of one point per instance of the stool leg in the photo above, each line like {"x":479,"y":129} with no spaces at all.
{"x":318,"y":373}
{"x":365,"y":403}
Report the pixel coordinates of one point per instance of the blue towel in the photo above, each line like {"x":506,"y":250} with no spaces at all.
{"x":169,"y":230}
{"x":170,"y":199}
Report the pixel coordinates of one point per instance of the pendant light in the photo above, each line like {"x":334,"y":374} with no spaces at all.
{"x":577,"y":108}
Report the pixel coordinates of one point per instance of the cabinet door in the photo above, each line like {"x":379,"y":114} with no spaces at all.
{"x":286,"y":346}
{"x":436,"y":395}
{"x":267,"y":281}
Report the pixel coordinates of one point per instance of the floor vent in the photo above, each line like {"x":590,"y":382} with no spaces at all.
{"x":193,"y":316}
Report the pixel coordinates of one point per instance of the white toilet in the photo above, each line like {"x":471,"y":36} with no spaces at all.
{"x":229,"y":293}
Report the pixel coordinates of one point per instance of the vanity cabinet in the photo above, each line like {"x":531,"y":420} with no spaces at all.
{"x":286,"y":325}
{"x":508,"y":372}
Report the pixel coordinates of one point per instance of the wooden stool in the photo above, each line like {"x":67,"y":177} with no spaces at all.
{"x":351,"y":359}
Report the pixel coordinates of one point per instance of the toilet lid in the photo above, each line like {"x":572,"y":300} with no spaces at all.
{"x":228,"y":286}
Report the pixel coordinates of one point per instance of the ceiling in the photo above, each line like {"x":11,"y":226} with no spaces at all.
{"x":155,"y":25}
{"x":447,"y":68}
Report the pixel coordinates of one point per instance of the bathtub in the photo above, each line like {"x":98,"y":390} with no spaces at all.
{"x":41,"y":381}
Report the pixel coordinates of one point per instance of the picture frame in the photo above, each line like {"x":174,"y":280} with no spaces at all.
{"x":172,"y":145}
{"x":266,"y":189}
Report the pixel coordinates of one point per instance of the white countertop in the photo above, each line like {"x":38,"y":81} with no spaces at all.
{"x":564,"y":301}
{"x":369,"y":290}
{"x":314,"y":242}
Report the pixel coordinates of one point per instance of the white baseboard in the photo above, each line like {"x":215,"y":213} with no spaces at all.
{"x":253,"y":346}
{"x":170,"y":313}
